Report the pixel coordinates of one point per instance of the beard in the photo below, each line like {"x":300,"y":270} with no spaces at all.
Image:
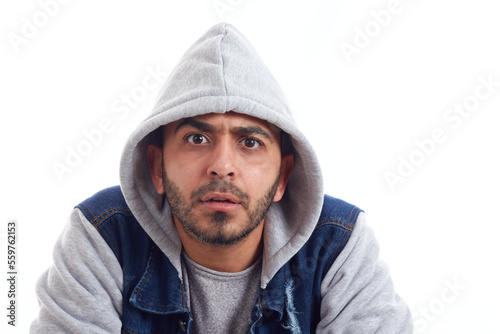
{"x":220,"y":231}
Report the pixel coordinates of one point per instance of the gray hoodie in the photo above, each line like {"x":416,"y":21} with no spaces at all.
{"x":221,"y":72}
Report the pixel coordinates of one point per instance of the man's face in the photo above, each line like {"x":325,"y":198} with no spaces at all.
{"x":220,"y":174}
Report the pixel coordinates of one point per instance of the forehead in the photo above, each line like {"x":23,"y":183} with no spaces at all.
{"x":227,"y":121}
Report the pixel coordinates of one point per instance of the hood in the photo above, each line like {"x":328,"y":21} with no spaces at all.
{"x":222,"y":72}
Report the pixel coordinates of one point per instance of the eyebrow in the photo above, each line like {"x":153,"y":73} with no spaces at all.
{"x":252,"y":130}
{"x":202,"y":126}
{"x":243,"y":130}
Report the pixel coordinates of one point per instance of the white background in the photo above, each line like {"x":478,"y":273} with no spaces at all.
{"x":361,"y":112}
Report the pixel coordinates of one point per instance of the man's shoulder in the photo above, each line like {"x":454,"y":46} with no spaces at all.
{"x":104,"y":203}
{"x":331,"y":234}
{"x":338,"y":212}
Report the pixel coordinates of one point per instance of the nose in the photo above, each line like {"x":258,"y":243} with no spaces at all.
{"x":223,"y":161}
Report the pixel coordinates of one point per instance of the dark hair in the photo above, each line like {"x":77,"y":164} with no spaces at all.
{"x":286,"y":144}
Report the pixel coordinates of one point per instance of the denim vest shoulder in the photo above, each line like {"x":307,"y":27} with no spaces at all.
{"x":155,"y":299}
{"x":293,"y":297}
{"x":152,"y":292}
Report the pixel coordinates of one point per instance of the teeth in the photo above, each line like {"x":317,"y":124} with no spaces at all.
{"x":220,"y":200}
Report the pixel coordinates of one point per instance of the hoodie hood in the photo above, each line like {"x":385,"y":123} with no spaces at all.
{"x":222,"y":72}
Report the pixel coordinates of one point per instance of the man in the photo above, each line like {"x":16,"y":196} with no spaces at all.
{"x":220,"y":224}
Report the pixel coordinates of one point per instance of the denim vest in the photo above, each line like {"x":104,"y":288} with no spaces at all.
{"x":155,"y":299}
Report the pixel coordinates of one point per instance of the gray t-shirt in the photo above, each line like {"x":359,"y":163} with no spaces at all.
{"x":220,"y":302}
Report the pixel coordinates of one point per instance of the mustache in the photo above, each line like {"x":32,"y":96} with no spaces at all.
{"x":222,"y":187}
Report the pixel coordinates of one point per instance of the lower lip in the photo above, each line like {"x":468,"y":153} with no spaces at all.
{"x":220,"y":206}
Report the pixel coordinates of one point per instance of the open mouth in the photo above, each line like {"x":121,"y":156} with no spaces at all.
{"x":220,"y":202}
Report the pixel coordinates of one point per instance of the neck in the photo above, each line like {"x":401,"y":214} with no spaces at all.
{"x":231,"y":259}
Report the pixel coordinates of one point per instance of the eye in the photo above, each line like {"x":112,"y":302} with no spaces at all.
{"x":251,"y":143}
{"x":196,"y":139}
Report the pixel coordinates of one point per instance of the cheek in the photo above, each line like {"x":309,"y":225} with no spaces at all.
{"x":183,"y":173}
{"x":180,"y":168}
{"x":259,"y":178}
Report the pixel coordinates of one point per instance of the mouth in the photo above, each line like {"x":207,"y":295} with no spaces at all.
{"x":220,"y":202}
